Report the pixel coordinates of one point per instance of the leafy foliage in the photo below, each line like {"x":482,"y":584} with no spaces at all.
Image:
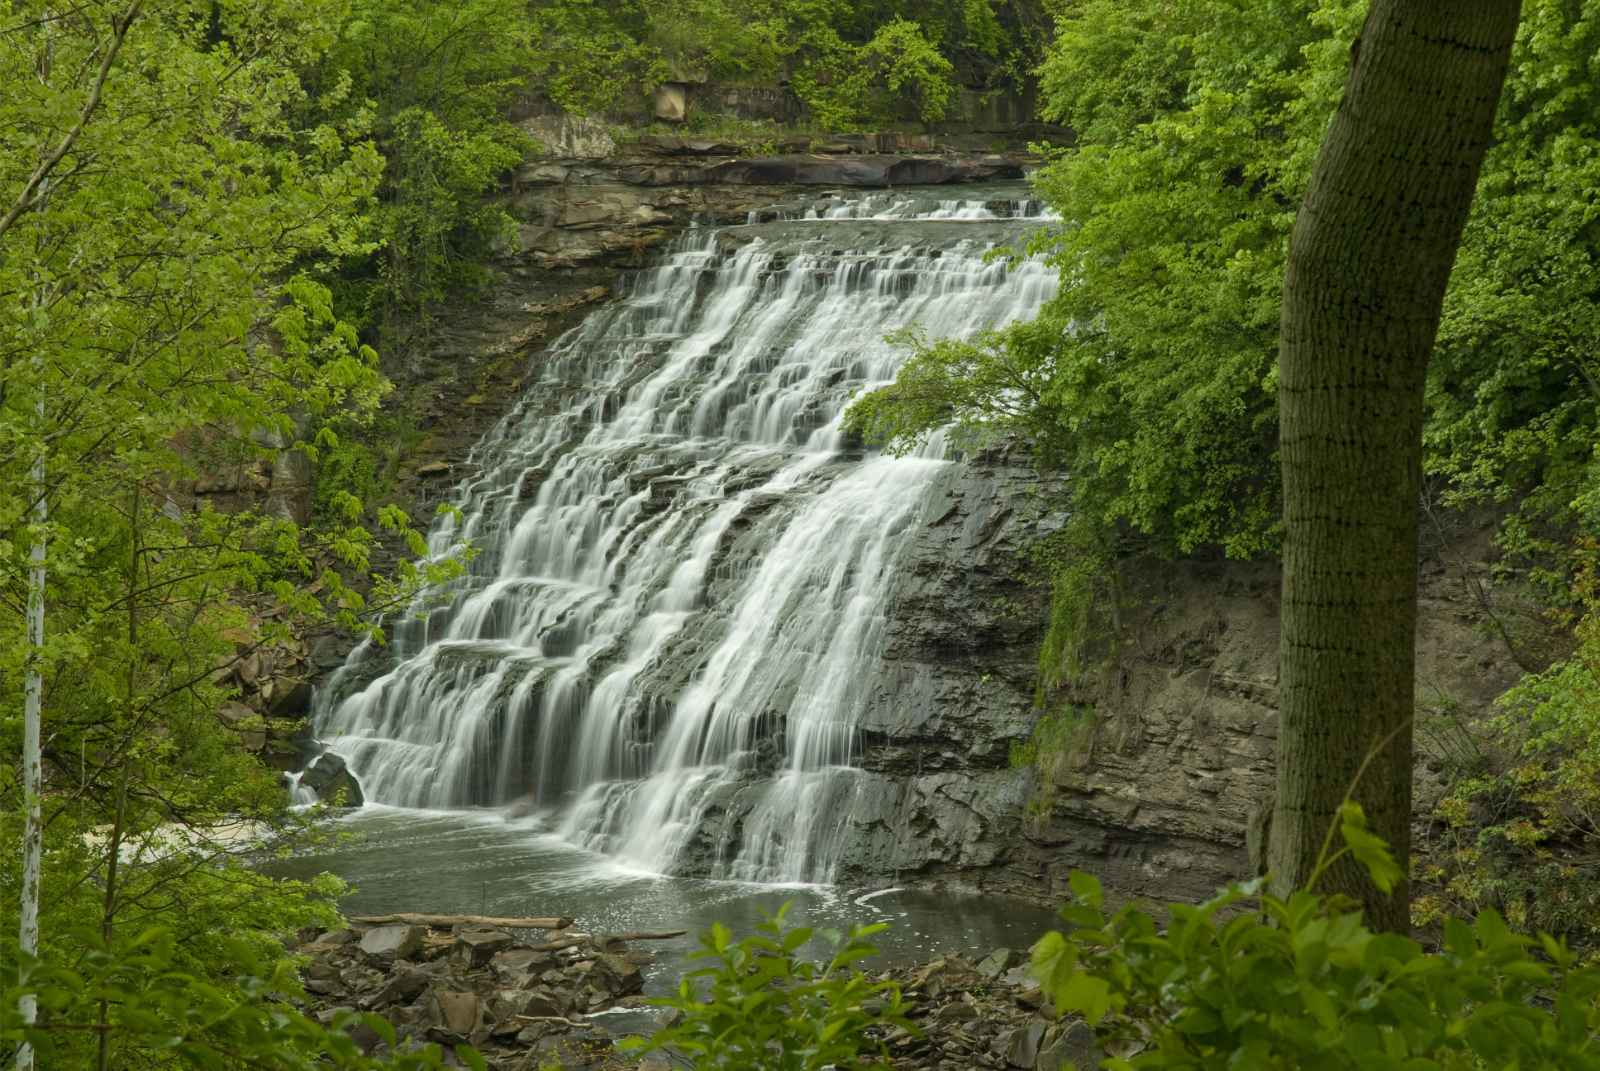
{"x":436,"y":79}
{"x":1150,"y":378}
{"x":1514,"y":387}
{"x":852,"y":62}
{"x":188,"y":1021}
{"x":899,"y":69}
{"x":1521,"y":831}
{"x":770,"y":1009}
{"x":168,"y":336}
{"x":1251,"y":980}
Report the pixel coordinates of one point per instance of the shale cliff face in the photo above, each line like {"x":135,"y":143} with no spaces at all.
{"x":1154,"y":797}
{"x":1155,"y":794}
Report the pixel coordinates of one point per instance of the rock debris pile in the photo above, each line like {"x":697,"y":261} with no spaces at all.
{"x":525,"y":996}
{"x":520,"y":993}
{"x":988,"y":1014}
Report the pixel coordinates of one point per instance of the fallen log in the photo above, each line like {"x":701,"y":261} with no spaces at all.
{"x":549,"y":1019}
{"x":600,"y":940}
{"x":440,"y":922}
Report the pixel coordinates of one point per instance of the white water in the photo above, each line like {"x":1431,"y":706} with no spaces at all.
{"x":889,"y":206}
{"x":677,"y":609}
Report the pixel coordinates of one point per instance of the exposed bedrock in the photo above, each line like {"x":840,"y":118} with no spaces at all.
{"x":1155,"y":794}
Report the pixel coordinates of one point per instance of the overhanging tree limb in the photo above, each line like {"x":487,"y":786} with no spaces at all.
{"x":33,"y":190}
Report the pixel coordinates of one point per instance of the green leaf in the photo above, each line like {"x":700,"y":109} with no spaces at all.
{"x":1086,"y":889}
{"x":1086,"y":994}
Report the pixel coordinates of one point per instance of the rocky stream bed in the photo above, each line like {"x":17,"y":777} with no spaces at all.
{"x":531,"y":994}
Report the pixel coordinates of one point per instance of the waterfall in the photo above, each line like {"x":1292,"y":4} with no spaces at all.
{"x":676,"y":607}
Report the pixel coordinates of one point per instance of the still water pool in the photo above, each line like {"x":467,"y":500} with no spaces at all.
{"x":480,"y":862}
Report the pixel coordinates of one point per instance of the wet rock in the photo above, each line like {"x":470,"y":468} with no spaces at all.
{"x":402,"y":987}
{"x":1021,"y":1046}
{"x":291,"y":698}
{"x":329,"y":777}
{"x":998,"y":962}
{"x":1069,"y":1045}
{"x":385,"y":944}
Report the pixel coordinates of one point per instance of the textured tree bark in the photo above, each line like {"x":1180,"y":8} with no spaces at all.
{"x":1369,"y":258}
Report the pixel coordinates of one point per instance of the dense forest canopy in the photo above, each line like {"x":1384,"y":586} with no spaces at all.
{"x":851,"y":63}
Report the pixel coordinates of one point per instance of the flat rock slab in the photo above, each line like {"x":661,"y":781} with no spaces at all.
{"x":389,"y":943}
{"x":458,"y":1011}
{"x":475,"y":948}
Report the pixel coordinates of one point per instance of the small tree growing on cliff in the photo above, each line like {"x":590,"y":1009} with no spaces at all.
{"x":1371,"y":253}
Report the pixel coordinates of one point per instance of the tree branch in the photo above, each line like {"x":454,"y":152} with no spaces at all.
{"x":30,"y":195}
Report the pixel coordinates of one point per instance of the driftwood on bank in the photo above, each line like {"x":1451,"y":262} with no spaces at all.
{"x":442,"y":922}
{"x":573,"y":940}
{"x":660,"y":935}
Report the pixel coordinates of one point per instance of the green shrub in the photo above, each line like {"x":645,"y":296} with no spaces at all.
{"x":433,"y":80}
{"x":771,"y":1010}
{"x":1249,"y":980}
{"x":898,"y":74}
{"x":1521,"y":833}
{"x":159,"y":1012}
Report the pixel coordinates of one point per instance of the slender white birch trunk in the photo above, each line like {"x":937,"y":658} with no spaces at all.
{"x":33,"y":695}
{"x":33,"y":685}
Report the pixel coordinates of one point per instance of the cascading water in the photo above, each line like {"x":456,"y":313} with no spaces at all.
{"x":677,"y":606}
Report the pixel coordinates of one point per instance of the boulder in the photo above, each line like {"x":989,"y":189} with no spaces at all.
{"x":385,"y":944}
{"x":1017,"y":978}
{"x":615,"y":976}
{"x":476,"y":948}
{"x":458,"y":1011}
{"x":329,"y":651}
{"x":291,"y":698}
{"x":1069,"y":1046}
{"x":542,"y":1002}
{"x":997,"y":963}
{"x":328,"y":776}
{"x":330,"y":942}
{"x":519,"y":962}
{"x":403,"y":986}
{"x":1021,"y":1046}
{"x":671,"y":102}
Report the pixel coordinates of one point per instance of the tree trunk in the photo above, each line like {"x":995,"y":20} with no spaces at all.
{"x":1371,"y":253}
{"x":32,"y":779}
{"x":33,"y":673}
